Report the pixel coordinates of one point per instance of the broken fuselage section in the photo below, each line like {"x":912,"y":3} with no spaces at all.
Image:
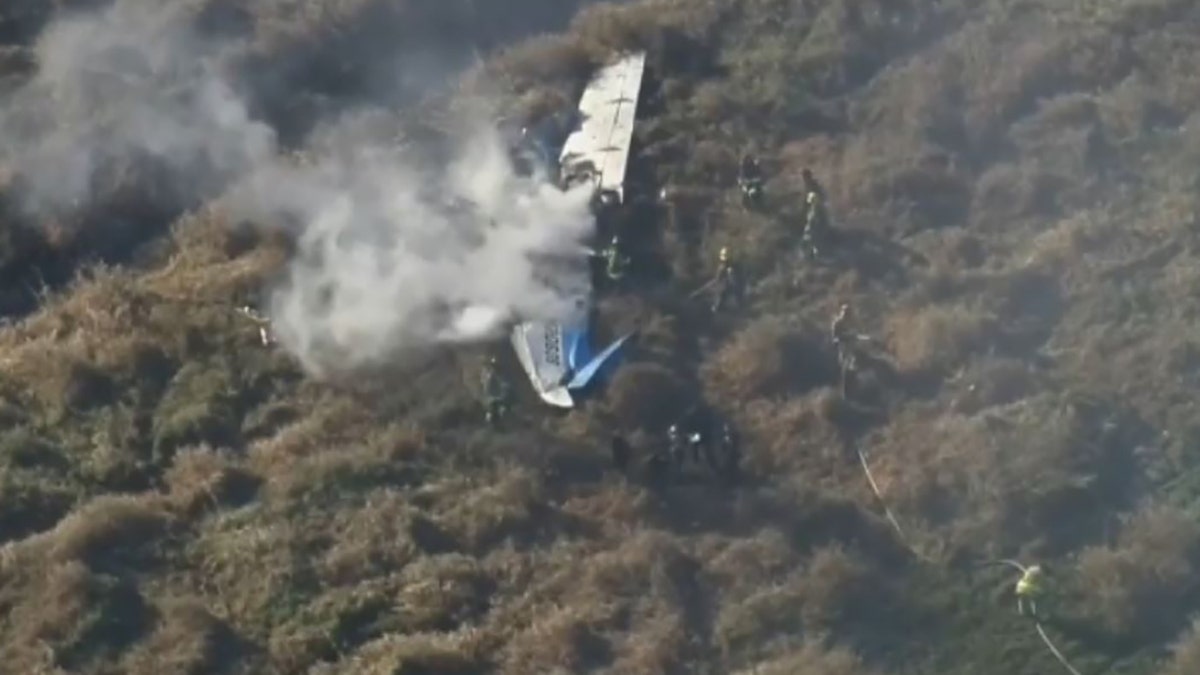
{"x":557,"y":357}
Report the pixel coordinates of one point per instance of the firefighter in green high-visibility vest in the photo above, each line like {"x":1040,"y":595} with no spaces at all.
{"x":616,"y":261}
{"x":727,"y":282}
{"x":495,"y":392}
{"x":816,"y":216}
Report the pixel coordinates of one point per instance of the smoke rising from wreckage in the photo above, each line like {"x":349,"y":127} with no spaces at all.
{"x":157,"y":456}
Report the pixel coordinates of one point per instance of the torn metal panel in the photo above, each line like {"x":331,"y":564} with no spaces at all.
{"x":600,"y":146}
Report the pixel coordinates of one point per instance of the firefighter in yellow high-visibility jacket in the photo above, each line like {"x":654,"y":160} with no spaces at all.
{"x":1030,"y":588}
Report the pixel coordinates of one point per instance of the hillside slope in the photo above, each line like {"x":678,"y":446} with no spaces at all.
{"x":1014,"y":190}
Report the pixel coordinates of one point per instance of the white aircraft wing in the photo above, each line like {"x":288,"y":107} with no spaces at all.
{"x":608,"y":107}
{"x":541,"y":350}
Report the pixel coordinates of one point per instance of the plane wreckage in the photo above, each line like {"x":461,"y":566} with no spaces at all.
{"x":558,"y":357}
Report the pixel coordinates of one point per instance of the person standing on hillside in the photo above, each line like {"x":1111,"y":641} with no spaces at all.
{"x":1030,"y":588}
{"x":495,"y":392}
{"x":729,"y":463}
{"x":845,"y":341}
{"x":676,"y":449}
{"x":263,"y":323}
{"x":616,"y":261}
{"x":727,"y":282}
{"x":750,"y":180}
{"x":816,"y":215}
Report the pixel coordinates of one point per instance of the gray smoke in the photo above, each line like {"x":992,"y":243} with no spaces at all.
{"x":395,"y":252}
{"x":126,"y":85}
{"x":398,"y":256}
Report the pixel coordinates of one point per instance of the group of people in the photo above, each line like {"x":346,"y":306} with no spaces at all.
{"x":816,"y":214}
{"x":683,"y":443}
{"x":726,"y":284}
{"x":697,"y":439}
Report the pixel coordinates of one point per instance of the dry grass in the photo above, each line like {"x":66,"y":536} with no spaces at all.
{"x":1141,"y":581}
{"x":937,"y":338}
{"x":108,"y":526}
{"x":813,"y":658}
{"x":1185,"y":653}
{"x":1010,"y":182}
{"x":766,"y":358}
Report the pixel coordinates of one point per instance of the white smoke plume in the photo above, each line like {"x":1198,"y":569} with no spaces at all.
{"x":396,"y":256}
{"x":395,"y":253}
{"x":124,"y":85}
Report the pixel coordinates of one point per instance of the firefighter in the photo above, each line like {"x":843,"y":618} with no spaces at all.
{"x":676,"y":449}
{"x":695,"y":424}
{"x":729,"y":466}
{"x":1030,"y":588}
{"x":816,"y":215}
{"x":495,"y":392}
{"x":264,"y":324}
{"x":843,"y":338}
{"x":616,"y":260}
{"x":727,"y":282}
{"x":845,"y":341}
{"x":698,"y":445}
{"x":750,"y":180}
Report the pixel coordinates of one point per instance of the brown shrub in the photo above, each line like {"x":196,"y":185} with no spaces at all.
{"x":79,"y":615}
{"x":615,"y":509}
{"x":331,"y":420}
{"x":1002,"y":479}
{"x":1002,"y":88}
{"x":108,"y":526}
{"x":711,"y":102}
{"x":645,"y":395}
{"x":936,"y":338}
{"x":373,"y":539}
{"x":767,"y":357}
{"x":924,"y":192}
{"x":333,"y":472}
{"x":813,"y":658}
{"x":819,"y":150}
{"x":456,"y":653}
{"x":766,"y":614}
{"x":1063,"y":246}
{"x":661,"y":27}
{"x":65,"y":602}
{"x":545,"y":59}
{"x":833,"y":587}
{"x":710,"y":162}
{"x":1185,"y":653}
{"x":753,"y":562}
{"x":836,"y":586}
{"x":251,"y":564}
{"x":201,"y":477}
{"x":560,"y":637}
{"x":1138,"y":584}
{"x":654,"y":643}
{"x":992,"y":382}
{"x":187,"y":639}
{"x":508,"y":508}
{"x":441,"y":593}
{"x":961,"y":249}
{"x":1009,"y":192}
{"x":794,"y":434}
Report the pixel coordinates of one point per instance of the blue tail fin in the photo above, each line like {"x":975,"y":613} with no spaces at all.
{"x":605,"y":362}
{"x":576,"y":345}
